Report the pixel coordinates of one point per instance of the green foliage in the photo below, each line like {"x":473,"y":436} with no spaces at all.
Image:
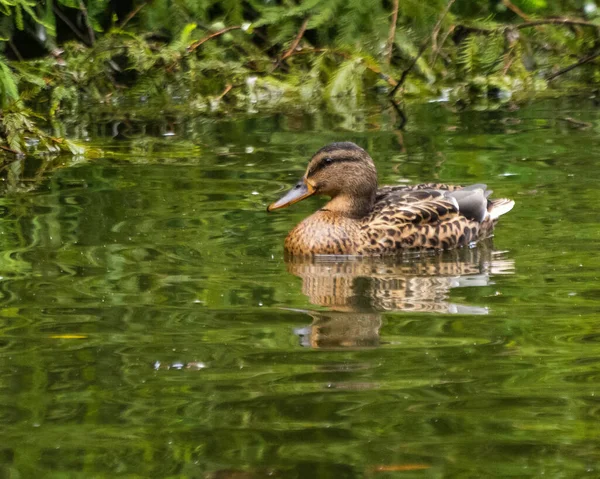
{"x":18,"y":8}
{"x":468,"y":54}
{"x":208,"y":54}
{"x":8,"y":85}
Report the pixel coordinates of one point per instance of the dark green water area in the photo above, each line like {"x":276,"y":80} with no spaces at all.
{"x":150,"y":326}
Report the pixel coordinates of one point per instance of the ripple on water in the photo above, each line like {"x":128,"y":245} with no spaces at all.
{"x":150,"y":325}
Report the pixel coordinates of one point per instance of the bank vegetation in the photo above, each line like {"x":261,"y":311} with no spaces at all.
{"x":59,"y":58}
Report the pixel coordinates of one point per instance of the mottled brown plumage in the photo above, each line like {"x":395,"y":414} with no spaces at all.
{"x":366,"y":284}
{"x":361,"y":219}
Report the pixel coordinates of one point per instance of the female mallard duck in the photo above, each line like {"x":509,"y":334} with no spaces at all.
{"x":361,"y":219}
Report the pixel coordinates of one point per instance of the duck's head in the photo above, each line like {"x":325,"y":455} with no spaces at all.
{"x":343,"y":171}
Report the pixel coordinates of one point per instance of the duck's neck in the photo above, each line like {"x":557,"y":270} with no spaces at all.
{"x":351,"y":206}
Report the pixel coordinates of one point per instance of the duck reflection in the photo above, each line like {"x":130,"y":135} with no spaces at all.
{"x":357,"y":290}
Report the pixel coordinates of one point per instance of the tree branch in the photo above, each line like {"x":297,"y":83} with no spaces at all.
{"x":193,"y":46}
{"x":422,"y":48}
{"x":293,"y":46}
{"x":6,"y":148}
{"x":583,"y":61}
{"x":84,"y":12}
{"x":555,"y":21}
{"x":516,"y":10}
{"x":401,"y":114}
{"x":131,"y":15}
{"x":68,"y":22}
{"x":534,"y":23}
{"x":296,"y":41}
{"x":584,"y":125}
{"x":228,"y":88}
{"x":438,"y":48}
{"x":15,"y":50}
{"x":392,"y":34}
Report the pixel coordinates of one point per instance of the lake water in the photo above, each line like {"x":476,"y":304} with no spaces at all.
{"x":150,"y":326}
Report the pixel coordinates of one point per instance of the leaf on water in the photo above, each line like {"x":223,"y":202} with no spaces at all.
{"x":68,"y":336}
{"x":400,"y":467}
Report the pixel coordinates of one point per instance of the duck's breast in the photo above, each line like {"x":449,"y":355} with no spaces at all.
{"x":324,"y":233}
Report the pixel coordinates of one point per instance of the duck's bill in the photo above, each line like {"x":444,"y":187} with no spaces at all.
{"x":297,"y":193}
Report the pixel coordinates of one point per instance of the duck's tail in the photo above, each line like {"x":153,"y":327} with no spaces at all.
{"x":473,"y":202}
{"x":498,"y":207}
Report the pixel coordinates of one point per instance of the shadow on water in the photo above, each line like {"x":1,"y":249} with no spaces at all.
{"x":357,"y":290}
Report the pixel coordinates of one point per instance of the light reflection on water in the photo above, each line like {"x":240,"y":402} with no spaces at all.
{"x":150,"y":325}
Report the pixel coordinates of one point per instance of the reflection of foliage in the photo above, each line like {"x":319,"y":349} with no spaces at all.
{"x":17,"y":127}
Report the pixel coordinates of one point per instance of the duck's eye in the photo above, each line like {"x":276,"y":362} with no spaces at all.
{"x":328,"y":161}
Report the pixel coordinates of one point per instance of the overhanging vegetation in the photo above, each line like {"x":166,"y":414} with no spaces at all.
{"x":60,"y":57}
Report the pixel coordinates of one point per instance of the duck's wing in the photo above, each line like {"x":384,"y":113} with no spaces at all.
{"x":397,"y":207}
{"x":412,"y":218}
{"x":431,"y":202}
{"x":385,"y":190}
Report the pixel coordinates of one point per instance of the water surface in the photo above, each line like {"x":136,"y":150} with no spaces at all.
{"x":150,"y":326}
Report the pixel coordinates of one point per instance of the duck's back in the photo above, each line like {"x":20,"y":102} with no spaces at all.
{"x":429,"y":216}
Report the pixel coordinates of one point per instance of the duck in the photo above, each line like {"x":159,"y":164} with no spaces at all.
{"x":363,"y":219}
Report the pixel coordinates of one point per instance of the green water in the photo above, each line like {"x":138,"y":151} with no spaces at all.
{"x":150,"y":326}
